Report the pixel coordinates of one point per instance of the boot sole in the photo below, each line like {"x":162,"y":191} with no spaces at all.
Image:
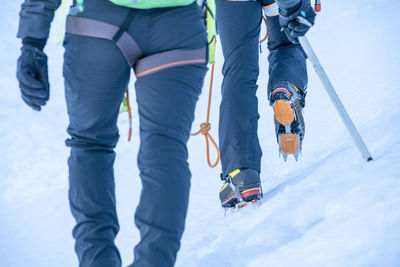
{"x":250,"y":195}
{"x":284,"y":114}
{"x":289,"y":143}
{"x":232,"y":202}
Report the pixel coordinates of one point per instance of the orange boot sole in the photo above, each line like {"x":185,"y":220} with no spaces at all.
{"x":289,"y":143}
{"x":283,"y":112}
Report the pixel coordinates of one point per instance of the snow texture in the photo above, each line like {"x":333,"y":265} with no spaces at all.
{"x":331,"y":208}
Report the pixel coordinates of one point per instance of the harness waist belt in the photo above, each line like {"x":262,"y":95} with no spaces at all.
{"x":169,"y":59}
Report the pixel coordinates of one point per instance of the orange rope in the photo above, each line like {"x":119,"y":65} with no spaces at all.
{"x":266,"y":30}
{"x":129,"y":114}
{"x":205,"y":127}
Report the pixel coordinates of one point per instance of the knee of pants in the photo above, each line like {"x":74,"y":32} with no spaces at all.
{"x":163,"y":148}
{"x":239,"y":78}
{"x":239,"y":89}
{"x":241,"y":109}
{"x":162,"y":155}
{"x":91,"y":138}
{"x":92,"y":117}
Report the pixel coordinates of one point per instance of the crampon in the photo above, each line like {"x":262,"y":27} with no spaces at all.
{"x":242,"y":188}
{"x":242,"y":205}
{"x":288,"y":118}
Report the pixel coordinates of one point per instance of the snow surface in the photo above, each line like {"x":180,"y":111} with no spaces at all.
{"x":329,"y":209}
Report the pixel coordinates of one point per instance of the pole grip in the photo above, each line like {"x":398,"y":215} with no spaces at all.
{"x":335,"y":98}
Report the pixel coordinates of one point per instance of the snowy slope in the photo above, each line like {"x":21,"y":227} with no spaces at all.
{"x":329,"y":209}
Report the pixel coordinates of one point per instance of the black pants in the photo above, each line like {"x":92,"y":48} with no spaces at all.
{"x":96,"y":76}
{"x":239,"y":24}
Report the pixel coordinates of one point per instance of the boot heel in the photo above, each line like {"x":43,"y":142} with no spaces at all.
{"x":289,"y":143}
{"x":251,"y":194}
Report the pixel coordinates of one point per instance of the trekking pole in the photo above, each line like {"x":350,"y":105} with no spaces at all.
{"x":335,"y":98}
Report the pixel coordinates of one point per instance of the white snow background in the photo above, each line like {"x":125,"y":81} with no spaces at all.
{"x":331,"y":208}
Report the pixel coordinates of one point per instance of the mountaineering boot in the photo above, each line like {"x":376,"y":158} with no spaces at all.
{"x":288,"y":102}
{"x":240,"y":187}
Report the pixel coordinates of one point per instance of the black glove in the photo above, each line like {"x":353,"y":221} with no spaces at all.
{"x":32,"y":73}
{"x":296,"y":21}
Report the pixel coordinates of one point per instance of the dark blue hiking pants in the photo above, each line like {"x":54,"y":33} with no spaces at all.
{"x":96,"y":77}
{"x":239,"y":24}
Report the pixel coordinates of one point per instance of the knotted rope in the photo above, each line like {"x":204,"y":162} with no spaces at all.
{"x":205,"y":127}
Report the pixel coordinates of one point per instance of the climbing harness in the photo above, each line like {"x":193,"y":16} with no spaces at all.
{"x":142,"y":65}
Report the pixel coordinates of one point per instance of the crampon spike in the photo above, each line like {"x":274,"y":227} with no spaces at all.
{"x":242,"y":205}
{"x":256,"y":203}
